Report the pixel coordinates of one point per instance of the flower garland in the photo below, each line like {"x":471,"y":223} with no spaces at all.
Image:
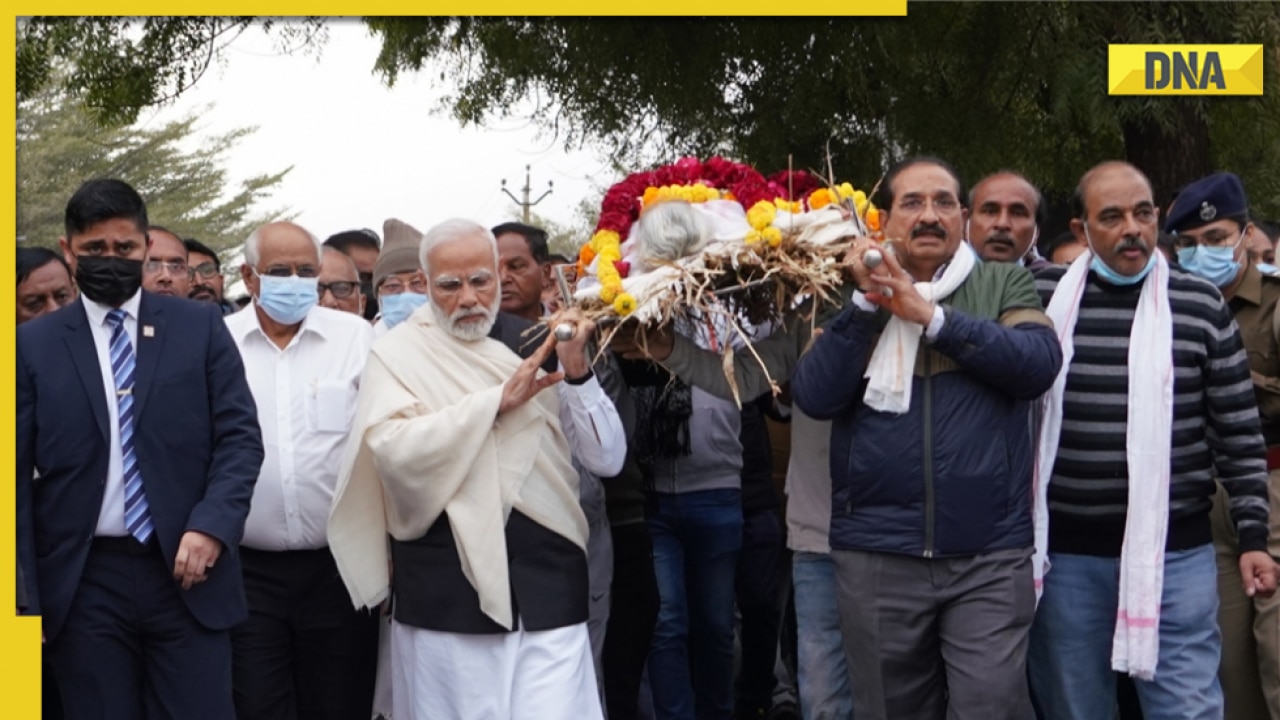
{"x":688,"y":179}
{"x":696,"y":181}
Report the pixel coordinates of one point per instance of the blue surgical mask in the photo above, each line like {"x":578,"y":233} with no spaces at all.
{"x":287,"y":300}
{"x":1216,"y":264}
{"x":397,"y":308}
{"x":1268,"y":268}
{"x":1105,"y":272}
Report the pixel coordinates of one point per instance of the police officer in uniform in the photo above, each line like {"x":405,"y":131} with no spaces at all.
{"x":1210,"y":221}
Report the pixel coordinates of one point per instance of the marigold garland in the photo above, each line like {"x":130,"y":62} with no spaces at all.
{"x":695,"y":181}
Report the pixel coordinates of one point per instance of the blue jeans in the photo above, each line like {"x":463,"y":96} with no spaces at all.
{"x":696,"y":539}
{"x":823,"y":674}
{"x":1070,"y":653}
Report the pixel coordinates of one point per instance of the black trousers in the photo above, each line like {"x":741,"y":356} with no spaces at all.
{"x":304,"y":653}
{"x":633,"y":612}
{"x":130,"y":649}
{"x":763,"y":566}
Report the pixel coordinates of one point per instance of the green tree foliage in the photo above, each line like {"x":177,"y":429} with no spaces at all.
{"x":984,"y":85}
{"x":185,"y":183}
{"x":118,"y":66}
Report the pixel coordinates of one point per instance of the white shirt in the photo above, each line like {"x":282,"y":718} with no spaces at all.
{"x":111,"y":514}
{"x":592,"y":427}
{"x":306,"y":396}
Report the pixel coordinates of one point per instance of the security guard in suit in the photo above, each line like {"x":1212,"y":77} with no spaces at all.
{"x":1210,"y":220}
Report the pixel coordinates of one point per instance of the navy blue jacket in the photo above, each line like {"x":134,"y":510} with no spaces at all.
{"x":196,"y":437}
{"x":953,"y":475}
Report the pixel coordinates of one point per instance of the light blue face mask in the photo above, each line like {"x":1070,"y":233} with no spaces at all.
{"x":1216,"y":264}
{"x":397,"y":308}
{"x":1105,"y":272}
{"x":287,"y":300}
{"x":1268,"y":269}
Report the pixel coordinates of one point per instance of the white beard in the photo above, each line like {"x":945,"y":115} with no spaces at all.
{"x":469,"y":332}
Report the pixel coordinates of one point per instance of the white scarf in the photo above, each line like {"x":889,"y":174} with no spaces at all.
{"x":1135,"y":647}
{"x":427,"y":439}
{"x":893,"y":362}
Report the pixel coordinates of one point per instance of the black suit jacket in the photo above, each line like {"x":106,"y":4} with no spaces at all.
{"x":196,"y":438}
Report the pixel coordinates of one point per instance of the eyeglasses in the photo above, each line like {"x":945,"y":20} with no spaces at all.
{"x":284,"y":271}
{"x":449,"y":284}
{"x":1213,"y":238}
{"x":206,"y":270}
{"x":174,"y":267}
{"x":942,"y":204}
{"x":341,"y":289}
{"x":395,"y":286}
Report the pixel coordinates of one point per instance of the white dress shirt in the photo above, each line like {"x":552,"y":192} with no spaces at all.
{"x":111,"y":514}
{"x":591,"y":425}
{"x":306,"y":396}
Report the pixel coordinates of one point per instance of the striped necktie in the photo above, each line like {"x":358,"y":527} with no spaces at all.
{"x":137,"y":517}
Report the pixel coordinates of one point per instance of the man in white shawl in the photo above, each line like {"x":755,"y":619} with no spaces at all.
{"x":928,"y":375}
{"x":1153,"y":402}
{"x":458,"y":499}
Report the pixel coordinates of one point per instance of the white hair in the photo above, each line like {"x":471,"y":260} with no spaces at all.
{"x":668,"y":231}
{"x":253,"y":244}
{"x":450,"y":231}
{"x":466,"y":332}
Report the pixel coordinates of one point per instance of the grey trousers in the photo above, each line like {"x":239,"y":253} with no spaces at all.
{"x":599,"y":578}
{"x":928,"y":639}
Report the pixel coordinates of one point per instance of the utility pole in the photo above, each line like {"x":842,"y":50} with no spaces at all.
{"x":525,"y":204}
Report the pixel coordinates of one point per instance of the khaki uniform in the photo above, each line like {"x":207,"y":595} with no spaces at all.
{"x":1250,"y":669}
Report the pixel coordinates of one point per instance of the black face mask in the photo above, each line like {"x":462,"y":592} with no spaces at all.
{"x":108,"y":280}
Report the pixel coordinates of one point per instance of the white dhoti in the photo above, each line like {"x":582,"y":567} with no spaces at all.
{"x":542,"y":675}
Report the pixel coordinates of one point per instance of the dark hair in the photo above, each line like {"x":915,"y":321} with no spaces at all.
{"x":1062,"y":239}
{"x":535,"y":236}
{"x":195,"y":246}
{"x":31,"y":259}
{"x":1041,"y":211}
{"x":558,"y":259}
{"x":1269,"y":228}
{"x":885,"y":193}
{"x":347,"y":239}
{"x":104,"y":199}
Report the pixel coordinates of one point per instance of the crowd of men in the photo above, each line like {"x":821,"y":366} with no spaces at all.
{"x":1018,"y":478}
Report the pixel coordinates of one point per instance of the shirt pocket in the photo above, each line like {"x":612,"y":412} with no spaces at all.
{"x":331,"y":407}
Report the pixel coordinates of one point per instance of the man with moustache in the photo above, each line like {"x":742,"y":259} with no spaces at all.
{"x":460,"y":457}
{"x":1153,"y":403}
{"x":1214,"y":234}
{"x":165,"y":270}
{"x":206,"y":275}
{"x":133,"y":410}
{"x":931,"y":459}
{"x":1006,"y":213}
{"x":44,"y":283}
{"x":955,"y":569}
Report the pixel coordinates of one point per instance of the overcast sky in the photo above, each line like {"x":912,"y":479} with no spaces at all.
{"x":362,"y":152}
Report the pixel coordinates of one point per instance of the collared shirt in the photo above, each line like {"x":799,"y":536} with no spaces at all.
{"x":1254,"y":307}
{"x":306,"y":396}
{"x":111,"y":514}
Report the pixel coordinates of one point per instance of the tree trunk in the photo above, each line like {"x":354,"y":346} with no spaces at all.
{"x":1170,"y":157}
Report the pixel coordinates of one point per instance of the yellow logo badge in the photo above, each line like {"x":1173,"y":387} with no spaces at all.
{"x":1184,"y":69}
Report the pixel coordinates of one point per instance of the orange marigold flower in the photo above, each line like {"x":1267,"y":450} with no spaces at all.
{"x":819,"y":199}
